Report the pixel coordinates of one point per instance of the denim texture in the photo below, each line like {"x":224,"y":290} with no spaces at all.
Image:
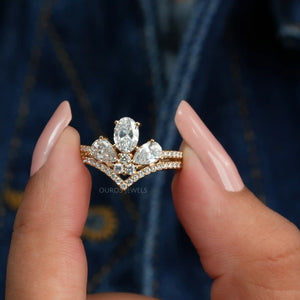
{"x":232,"y":60}
{"x":287,"y":15}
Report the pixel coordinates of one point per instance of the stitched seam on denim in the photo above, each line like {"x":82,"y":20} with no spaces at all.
{"x":184,"y":56}
{"x":193,"y":63}
{"x":249,"y":134}
{"x":98,"y":277}
{"x":71,"y":73}
{"x":25,"y":98}
{"x":182,"y":89}
{"x":148,"y":270}
{"x":151,"y":39}
{"x":154,"y":211}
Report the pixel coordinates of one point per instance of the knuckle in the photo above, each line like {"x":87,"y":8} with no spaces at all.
{"x":286,"y":256}
{"x":279,"y":256}
{"x":24,"y":226}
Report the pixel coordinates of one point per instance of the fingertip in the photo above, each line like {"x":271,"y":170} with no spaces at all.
{"x":196,"y":196}
{"x":58,"y":193}
{"x":213,"y":156}
{"x":180,"y":111}
{"x":69,"y":139}
{"x":192,"y":178}
{"x":49,"y":136}
{"x":65,"y":156}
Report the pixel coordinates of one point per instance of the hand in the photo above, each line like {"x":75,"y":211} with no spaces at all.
{"x":47,"y":260}
{"x":250,"y":251}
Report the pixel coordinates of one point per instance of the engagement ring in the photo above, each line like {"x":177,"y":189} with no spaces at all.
{"x":125,"y":162}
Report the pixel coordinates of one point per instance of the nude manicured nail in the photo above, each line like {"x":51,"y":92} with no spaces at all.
{"x":55,"y":126}
{"x":211,"y":153}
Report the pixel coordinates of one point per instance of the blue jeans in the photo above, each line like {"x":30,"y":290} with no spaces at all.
{"x":236,"y":62}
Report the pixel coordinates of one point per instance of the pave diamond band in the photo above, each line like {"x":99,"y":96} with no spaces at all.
{"x":138,"y":174}
{"x":125,"y":158}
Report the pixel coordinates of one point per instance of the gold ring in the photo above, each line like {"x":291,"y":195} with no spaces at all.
{"x":125,"y":158}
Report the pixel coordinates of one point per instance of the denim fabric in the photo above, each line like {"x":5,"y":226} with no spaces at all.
{"x":118,"y":58}
{"x":287,"y":14}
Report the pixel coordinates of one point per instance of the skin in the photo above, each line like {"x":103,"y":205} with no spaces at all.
{"x":250,"y":251}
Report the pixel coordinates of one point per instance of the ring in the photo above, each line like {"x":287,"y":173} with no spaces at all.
{"x":125,"y":158}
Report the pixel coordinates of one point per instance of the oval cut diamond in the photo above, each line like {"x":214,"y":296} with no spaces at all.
{"x":103,"y":150}
{"x":148,"y":153}
{"x":126,"y":134}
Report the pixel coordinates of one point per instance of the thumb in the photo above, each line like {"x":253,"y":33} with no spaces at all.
{"x":248,"y":249}
{"x":47,"y":258}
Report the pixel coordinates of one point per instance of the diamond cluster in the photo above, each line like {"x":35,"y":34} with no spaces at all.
{"x":126,"y":158}
{"x":124,"y":184}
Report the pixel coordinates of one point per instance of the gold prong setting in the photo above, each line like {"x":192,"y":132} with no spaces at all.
{"x":125,"y":158}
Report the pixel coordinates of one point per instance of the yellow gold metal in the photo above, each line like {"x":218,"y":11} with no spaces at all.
{"x":125,"y":162}
{"x":170,"y":159}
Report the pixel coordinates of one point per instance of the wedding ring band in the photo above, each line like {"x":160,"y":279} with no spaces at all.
{"x":125,"y":162}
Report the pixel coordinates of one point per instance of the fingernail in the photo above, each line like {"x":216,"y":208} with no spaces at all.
{"x":55,"y":126}
{"x":214,"y":158}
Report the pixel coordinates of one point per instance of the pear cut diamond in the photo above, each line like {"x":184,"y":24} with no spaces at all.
{"x":148,"y":153}
{"x":103,"y":150}
{"x":125,"y":162}
{"x":126,"y":134}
